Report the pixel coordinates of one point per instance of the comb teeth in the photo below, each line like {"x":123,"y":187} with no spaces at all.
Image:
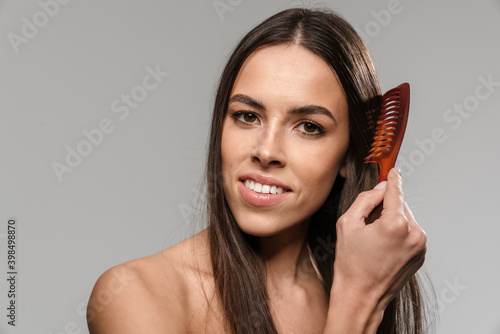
{"x":390,"y":129}
{"x":386,"y":125}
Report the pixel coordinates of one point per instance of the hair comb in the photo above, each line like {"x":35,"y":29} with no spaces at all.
{"x":390,"y":130}
{"x":389,"y":133}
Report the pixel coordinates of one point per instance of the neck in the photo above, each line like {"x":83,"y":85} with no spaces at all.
{"x":286,"y":256}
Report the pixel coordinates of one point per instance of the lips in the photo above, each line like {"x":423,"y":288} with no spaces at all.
{"x":264,"y":180}
{"x":266,"y":191}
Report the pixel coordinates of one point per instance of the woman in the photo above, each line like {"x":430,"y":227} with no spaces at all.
{"x":287,"y":248}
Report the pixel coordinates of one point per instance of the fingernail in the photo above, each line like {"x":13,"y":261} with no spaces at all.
{"x":398,"y":170}
{"x":381,"y":185}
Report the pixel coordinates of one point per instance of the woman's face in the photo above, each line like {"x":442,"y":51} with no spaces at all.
{"x":284,"y":139}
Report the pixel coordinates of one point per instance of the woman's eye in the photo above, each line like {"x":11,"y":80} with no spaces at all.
{"x":249,"y":117}
{"x":245,"y":117}
{"x":310,"y":128}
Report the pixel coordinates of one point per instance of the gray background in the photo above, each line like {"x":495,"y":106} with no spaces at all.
{"x":133,"y":194}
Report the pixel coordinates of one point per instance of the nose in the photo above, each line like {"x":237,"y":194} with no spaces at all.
{"x":269,"y":150}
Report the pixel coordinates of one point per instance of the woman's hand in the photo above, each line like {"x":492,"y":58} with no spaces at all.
{"x":373,"y":262}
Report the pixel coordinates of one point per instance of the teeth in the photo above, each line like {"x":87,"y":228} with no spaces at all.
{"x":249,"y":184}
{"x":263,"y":188}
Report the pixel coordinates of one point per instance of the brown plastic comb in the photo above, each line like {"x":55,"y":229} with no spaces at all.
{"x":390,"y":130}
{"x":389,"y":133}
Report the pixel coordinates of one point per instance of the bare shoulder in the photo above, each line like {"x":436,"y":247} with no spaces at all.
{"x":160,"y":293}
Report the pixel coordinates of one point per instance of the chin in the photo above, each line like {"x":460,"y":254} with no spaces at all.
{"x":261,"y":227}
{"x":259,"y":232}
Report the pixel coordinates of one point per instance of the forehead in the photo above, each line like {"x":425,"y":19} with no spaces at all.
{"x":290,"y":74}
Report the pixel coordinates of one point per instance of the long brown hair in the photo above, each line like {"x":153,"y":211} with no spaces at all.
{"x":238,"y":267}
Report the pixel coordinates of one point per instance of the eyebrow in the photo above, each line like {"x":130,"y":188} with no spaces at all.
{"x":246,"y":100}
{"x":307,"y":109}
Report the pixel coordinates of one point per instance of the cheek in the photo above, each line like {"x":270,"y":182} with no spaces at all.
{"x":318,"y":166}
{"x":320,"y":160}
{"x":317,"y":171}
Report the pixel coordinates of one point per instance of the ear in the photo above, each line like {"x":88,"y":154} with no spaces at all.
{"x":343,"y":167}
{"x":343,"y":170}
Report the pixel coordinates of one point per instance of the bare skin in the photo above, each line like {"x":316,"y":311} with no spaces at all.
{"x":173,"y":291}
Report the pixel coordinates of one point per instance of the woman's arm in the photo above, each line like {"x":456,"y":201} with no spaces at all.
{"x":352,"y":312}
{"x":373,"y":262}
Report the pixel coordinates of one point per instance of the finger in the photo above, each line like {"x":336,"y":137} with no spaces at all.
{"x":411,"y":219}
{"x":417,"y":238}
{"x":409,"y":215}
{"x":366,"y":202}
{"x":394,"y":198}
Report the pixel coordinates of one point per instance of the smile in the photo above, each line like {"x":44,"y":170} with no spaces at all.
{"x":258,"y":196}
{"x":263,"y":188}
